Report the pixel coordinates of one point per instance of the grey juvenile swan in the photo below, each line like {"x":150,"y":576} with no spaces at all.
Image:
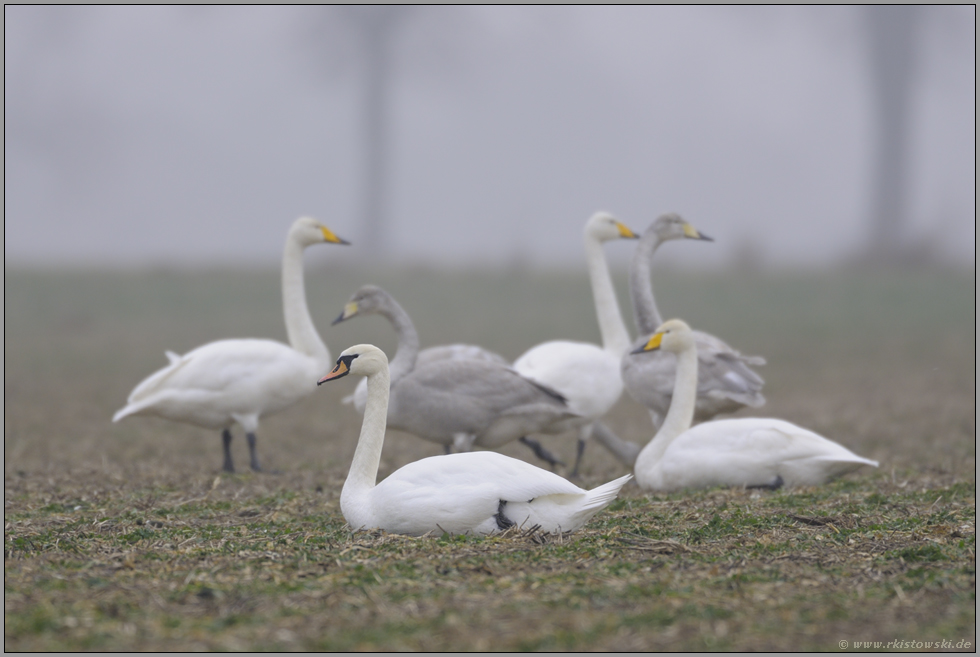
{"x":459,"y":402}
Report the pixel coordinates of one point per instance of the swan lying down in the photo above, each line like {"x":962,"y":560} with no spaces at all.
{"x":751,"y":452}
{"x":469,"y":493}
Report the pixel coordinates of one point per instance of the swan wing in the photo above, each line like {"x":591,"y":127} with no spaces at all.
{"x":216,"y":380}
{"x":458,"y":351}
{"x":452,"y":396}
{"x":754,"y":452}
{"x":583,"y":373}
{"x":726,"y":381}
{"x":464,"y":493}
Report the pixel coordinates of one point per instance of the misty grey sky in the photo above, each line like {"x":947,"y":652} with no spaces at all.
{"x":194,"y":136}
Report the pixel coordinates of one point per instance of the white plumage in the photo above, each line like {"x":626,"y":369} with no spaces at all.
{"x":752,"y":452}
{"x":241,"y":380}
{"x":585,"y":374}
{"x":470,"y":493}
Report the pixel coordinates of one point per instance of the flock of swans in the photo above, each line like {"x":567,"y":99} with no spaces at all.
{"x":464,"y":397}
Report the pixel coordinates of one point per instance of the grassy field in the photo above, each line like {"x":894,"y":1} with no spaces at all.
{"x":127,"y":536}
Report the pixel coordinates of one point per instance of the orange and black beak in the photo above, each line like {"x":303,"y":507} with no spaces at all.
{"x":342,"y":369}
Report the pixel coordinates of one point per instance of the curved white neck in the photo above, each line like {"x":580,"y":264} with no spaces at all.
{"x":680,"y":416}
{"x":645,"y":311}
{"x":615,"y":338}
{"x":299,"y":325}
{"x":363,"y":474}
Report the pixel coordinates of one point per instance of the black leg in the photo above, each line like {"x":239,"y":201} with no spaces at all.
{"x":449,"y":449}
{"x":251,"y":451}
{"x":226,"y":440}
{"x":541,"y":452}
{"x":578,"y":456}
{"x":776,"y":484}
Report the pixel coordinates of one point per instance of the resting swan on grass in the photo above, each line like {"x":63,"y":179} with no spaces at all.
{"x":229,"y":381}
{"x":586,"y":374}
{"x":726,"y":383}
{"x":750,"y":452}
{"x":473,"y":493}
{"x":458,"y":402}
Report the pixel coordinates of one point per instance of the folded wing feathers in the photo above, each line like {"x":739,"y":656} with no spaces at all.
{"x":151,"y":383}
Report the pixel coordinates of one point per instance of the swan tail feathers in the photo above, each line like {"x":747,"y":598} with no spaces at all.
{"x":121,"y":413}
{"x":601,"y":496}
{"x":172,"y":356}
{"x":132,"y":408}
{"x":853,"y":458}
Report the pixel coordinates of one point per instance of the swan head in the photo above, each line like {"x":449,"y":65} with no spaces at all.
{"x":308,"y":231}
{"x":362,"y":359}
{"x":672,"y":226}
{"x":604,"y":227}
{"x":368,"y":299}
{"x":674,"y":336}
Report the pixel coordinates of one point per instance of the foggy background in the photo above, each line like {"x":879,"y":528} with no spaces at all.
{"x":193,"y":136}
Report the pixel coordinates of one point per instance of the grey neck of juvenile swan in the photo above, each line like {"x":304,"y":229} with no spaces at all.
{"x":615,"y":338}
{"x":645,"y":310}
{"x":408,"y":338}
{"x":681,"y":412}
{"x":363,"y":474}
{"x":302,"y":334}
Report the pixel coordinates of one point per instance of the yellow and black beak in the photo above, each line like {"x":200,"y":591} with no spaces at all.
{"x":693,"y":233}
{"x":342,"y":369}
{"x":349,"y":311}
{"x":625,"y":232}
{"x":329,"y":236}
{"x":652,"y":344}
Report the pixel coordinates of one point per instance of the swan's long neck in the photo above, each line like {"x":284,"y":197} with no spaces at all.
{"x":645,"y":311}
{"x":299,"y":325}
{"x":408,"y":339}
{"x":363,"y":473}
{"x":681,"y":412}
{"x":615,"y":338}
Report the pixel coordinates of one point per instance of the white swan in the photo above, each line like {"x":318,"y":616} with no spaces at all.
{"x":472,"y":493}
{"x":230,"y":381}
{"x":726,"y":383}
{"x":751,"y":452}
{"x":586,"y":374}
{"x":456,"y":401}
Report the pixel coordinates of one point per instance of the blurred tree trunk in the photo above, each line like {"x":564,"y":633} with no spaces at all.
{"x":891,"y":31}
{"x":378,"y":26}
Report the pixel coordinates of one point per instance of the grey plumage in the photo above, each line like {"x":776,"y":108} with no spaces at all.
{"x":460,"y":402}
{"x":726,"y":381}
